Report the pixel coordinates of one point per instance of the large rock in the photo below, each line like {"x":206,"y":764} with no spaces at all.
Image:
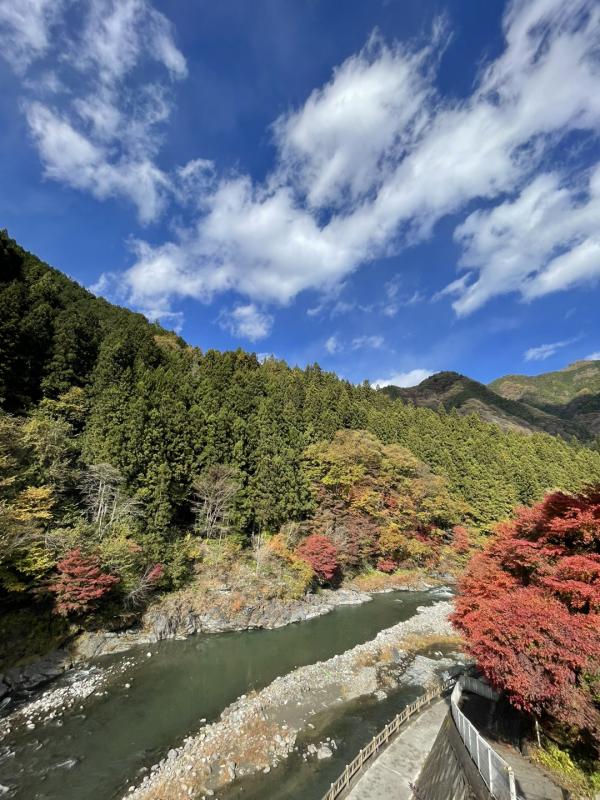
{"x":92,"y":645}
{"x":36,"y":673}
{"x":181,"y":619}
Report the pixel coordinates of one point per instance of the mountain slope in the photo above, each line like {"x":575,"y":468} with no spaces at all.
{"x":455,"y":391}
{"x":551,"y":389}
{"x":51,"y":329}
{"x":572,"y":393}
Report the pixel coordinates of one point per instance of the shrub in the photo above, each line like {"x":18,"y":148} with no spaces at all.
{"x":528,"y":606}
{"x":80,"y":583}
{"x":321,"y":554}
{"x":387,"y":565}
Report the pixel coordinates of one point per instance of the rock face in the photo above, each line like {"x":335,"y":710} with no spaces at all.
{"x":259,"y":730}
{"x":182,"y":620}
{"x":35,"y":674}
{"x":274,"y":613}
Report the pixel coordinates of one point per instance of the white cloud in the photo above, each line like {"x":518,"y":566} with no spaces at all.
{"x":403,"y":379}
{"x":544,"y":351}
{"x":103,"y":138}
{"x":375,"y":106}
{"x":367,"y":165}
{"x":118,"y":33}
{"x":544,"y":240}
{"x":371,"y":342}
{"x":25,"y":28}
{"x":384,"y":157}
{"x":332,"y":345}
{"x":76,"y":160}
{"x":593,"y":356}
{"x":247,"y":321}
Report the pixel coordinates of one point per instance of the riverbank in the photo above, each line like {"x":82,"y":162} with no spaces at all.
{"x":259,"y":730}
{"x":213,"y":608}
{"x":107,"y":741}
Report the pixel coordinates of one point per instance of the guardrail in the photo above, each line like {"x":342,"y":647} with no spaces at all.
{"x":496,"y":773}
{"x":382,"y":738}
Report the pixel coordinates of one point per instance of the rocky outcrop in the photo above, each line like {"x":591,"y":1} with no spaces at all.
{"x":180,"y":618}
{"x":257,"y":731}
{"x":37,"y":673}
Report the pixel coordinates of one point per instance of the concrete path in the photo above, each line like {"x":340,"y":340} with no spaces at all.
{"x":531,"y":783}
{"x":392,"y":771}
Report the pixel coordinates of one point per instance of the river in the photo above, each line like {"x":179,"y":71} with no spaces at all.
{"x":97,"y":751}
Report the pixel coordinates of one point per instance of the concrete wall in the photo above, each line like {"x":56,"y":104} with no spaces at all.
{"x":448,"y":772}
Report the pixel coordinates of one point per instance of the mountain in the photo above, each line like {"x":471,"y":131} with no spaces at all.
{"x":552,"y":389}
{"x":455,"y":391}
{"x":572,"y":393}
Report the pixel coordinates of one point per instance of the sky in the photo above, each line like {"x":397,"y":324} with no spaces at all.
{"x":386,"y":187}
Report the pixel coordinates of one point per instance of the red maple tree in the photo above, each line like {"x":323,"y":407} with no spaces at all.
{"x":80,"y":584}
{"x":387,"y":565}
{"x":321,"y":554}
{"x":529,"y":608}
{"x":460,"y":539}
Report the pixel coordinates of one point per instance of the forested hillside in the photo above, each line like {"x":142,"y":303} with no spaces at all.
{"x":123,"y":450}
{"x":572,"y":393}
{"x":454,"y":391}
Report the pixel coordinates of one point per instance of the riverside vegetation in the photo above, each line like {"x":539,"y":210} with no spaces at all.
{"x":136,"y":470}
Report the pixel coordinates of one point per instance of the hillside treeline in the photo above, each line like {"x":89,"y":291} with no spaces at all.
{"x":112,"y":428}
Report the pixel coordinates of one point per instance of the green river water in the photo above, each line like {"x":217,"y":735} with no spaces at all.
{"x":98,"y":751}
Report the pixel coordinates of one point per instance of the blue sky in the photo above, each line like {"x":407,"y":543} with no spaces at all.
{"x":390,"y":188}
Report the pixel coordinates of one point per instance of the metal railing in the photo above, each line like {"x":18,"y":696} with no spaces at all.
{"x":383,"y":737}
{"x":498,"y":776}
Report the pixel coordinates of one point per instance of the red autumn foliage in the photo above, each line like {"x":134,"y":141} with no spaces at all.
{"x":80,"y":583}
{"x":529,"y":607}
{"x":387,"y":565}
{"x":321,"y":554}
{"x":460,"y":539}
{"x":155,"y":574}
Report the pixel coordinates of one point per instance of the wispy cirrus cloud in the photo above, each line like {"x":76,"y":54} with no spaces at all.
{"x":544,"y":351}
{"x":247,"y":322}
{"x":373,"y":342}
{"x":366,"y":166}
{"x":26,"y":28}
{"x":96,"y":130}
{"x":333,"y":345}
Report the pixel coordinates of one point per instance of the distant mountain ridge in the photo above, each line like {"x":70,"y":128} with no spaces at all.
{"x":572,"y":393}
{"x":552,"y":389}
{"x":565,"y":403}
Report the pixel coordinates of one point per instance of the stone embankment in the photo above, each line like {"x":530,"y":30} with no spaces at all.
{"x":258,"y":731}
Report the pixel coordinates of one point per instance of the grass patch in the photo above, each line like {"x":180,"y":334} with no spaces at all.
{"x":373,"y":580}
{"x":583,"y":781}
{"x":416,"y":642}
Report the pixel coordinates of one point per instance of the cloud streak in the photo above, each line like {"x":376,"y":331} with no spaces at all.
{"x":367,"y":166}
{"x":96,"y":130}
{"x":403,"y":379}
{"x":544,"y":351}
